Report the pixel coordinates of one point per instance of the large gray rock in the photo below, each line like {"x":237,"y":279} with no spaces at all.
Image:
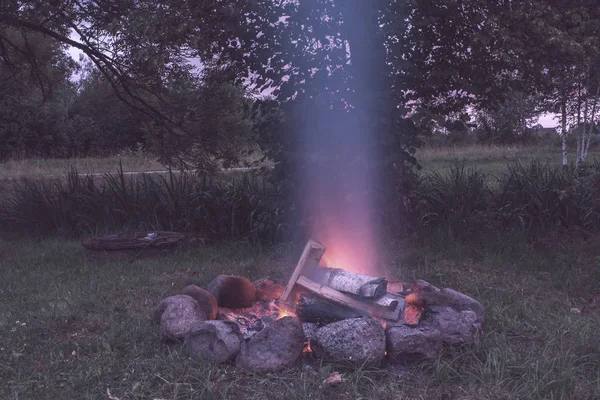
{"x":177,"y":315}
{"x":206,"y":300}
{"x":406,"y":344}
{"x":274,"y":348}
{"x":310,"y":330}
{"x":455,"y":327}
{"x":233,"y":291}
{"x":360,"y":341}
{"x":214,"y":341}
{"x":462,"y":302}
{"x":431,"y":295}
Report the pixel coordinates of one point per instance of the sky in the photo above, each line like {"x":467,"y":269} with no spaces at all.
{"x":548,"y":120}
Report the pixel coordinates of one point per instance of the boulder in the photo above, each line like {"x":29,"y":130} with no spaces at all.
{"x":406,"y":344}
{"x":462,"y":302}
{"x":206,"y":300}
{"x":276,"y":347}
{"x":455,"y":327}
{"x":233,"y":291}
{"x":214,"y":341}
{"x":177,"y":315}
{"x":310,"y":330}
{"x":360,"y":341}
{"x":431,"y":295}
{"x":267,"y":290}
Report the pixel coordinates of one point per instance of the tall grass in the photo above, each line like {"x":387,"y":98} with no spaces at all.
{"x":454,"y":199}
{"x":217,"y":208}
{"x":533,"y":198}
{"x":540,"y":198}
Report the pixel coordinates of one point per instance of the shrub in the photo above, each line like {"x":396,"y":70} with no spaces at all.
{"x":539,"y":198}
{"x":455,"y":199}
{"x":533,"y":198}
{"x":219,"y":208}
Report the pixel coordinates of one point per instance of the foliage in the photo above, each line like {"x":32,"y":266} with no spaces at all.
{"x":219,"y":208}
{"x":455,"y":200}
{"x":535,"y":199}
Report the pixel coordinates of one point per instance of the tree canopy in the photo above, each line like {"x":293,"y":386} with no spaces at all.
{"x":390,"y":58}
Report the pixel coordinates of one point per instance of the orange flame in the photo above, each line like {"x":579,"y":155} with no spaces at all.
{"x":283,"y":312}
{"x":307,"y":348}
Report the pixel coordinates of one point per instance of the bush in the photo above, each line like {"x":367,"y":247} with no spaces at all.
{"x":534,"y":198}
{"x":455,"y":199}
{"x":539,"y":198}
{"x":219,"y":208}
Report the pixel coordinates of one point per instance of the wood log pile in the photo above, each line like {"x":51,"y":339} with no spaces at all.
{"x":332,"y":294}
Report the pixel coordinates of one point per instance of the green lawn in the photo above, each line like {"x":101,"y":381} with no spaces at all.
{"x":492,"y":159}
{"x":75,"y":329}
{"x":39,"y":168}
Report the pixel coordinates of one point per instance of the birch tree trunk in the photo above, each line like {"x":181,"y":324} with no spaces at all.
{"x":590,"y":129}
{"x":563,"y":133}
{"x":580,"y":130}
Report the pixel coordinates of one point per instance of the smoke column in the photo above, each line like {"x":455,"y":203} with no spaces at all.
{"x":342,"y":133}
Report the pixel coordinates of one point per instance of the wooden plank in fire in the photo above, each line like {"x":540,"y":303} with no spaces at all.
{"x":313,"y":251}
{"x":389,"y":309}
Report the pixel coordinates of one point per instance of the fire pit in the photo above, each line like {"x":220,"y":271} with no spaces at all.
{"x":330,"y":313}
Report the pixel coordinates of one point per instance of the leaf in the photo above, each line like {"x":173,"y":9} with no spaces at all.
{"x":333,"y":378}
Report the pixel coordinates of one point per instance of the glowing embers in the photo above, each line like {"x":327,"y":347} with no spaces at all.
{"x":307,"y":348}
{"x":252,"y":320}
{"x":413,"y":310}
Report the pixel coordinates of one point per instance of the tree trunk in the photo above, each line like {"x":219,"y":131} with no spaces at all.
{"x":590,"y":129}
{"x":563,"y":110}
{"x":580,"y":128}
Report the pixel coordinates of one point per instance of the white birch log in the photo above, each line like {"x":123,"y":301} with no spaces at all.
{"x":357,"y":284}
{"x":370,"y":307}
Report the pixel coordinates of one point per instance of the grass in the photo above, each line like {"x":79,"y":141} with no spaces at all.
{"x":131,"y":162}
{"x":38,"y":168}
{"x":491,"y":159}
{"x":73,"y":328}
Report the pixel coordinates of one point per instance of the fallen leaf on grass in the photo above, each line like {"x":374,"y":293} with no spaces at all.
{"x":333,"y":379}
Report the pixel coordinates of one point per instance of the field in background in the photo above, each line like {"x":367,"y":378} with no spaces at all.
{"x":39,"y":168}
{"x":71,"y":328}
{"x":490,"y":159}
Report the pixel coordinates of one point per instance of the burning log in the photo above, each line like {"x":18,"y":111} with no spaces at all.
{"x":368,"y":307}
{"x":357,"y":284}
{"x":365,"y":295}
{"x":313,"y":308}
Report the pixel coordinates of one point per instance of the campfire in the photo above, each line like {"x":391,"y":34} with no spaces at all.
{"x":330,"y":313}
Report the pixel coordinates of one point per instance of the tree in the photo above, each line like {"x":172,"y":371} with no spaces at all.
{"x":509,"y":122}
{"x":33,"y":96}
